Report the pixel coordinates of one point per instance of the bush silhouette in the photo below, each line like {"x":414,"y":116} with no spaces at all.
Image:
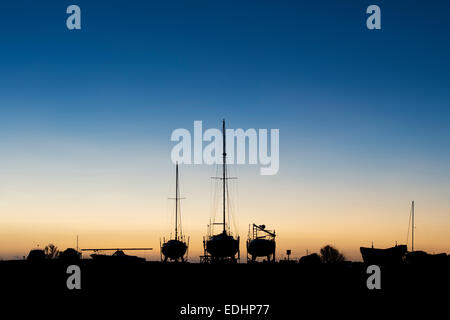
{"x":331,"y":255}
{"x":51,"y":251}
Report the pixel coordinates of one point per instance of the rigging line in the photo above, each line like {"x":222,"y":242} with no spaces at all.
{"x":231,"y":192}
{"x":216,"y":201}
{"x":213,"y":195}
{"x":230,"y":202}
{"x":228,"y":207}
{"x":231,"y":198}
{"x":233,"y":210}
{"x":179,"y":206}
{"x":236,"y":200}
{"x":217,"y":188}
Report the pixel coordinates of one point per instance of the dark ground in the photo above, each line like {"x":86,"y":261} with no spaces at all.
{"x":290,"y":289}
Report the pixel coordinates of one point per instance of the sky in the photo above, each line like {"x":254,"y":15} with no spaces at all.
{"x":86,"y":118}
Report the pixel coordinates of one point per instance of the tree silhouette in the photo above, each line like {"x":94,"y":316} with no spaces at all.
{"x":51,"y":251}
{"x":328,"y":254}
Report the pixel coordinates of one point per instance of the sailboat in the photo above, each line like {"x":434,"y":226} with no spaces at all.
{"x":261,"y":243}
{"x":175,"y":249}
{"x":420,"y":257}
{"x":393,"y":255}
{"x":222,"y":247}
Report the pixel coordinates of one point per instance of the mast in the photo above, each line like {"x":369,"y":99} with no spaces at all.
{"x":177,"y":197}
{"x":224,"y":154}
{"x":412,"y":235}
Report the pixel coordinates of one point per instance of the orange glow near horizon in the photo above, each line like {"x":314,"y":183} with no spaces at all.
{"x":347,"y":226}
{"x":125,"y":203}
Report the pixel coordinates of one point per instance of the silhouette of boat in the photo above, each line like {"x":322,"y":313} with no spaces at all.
{"x":419,"y":257}
{"x":176,"y":248}
{"x":424,"y":258}
{"x":118,"y":256}
{"x":70,"y":255}
{"x":223,"y":246}
{"x":36,"y":255}
{"x":393,"y":255}
{"x":310,"y":259}
{"x":261,"y":245}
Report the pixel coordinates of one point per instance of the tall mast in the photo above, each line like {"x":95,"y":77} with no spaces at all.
{"x":412,"y":237}
{"x":224,"y":154}
{"x":177,"y":197}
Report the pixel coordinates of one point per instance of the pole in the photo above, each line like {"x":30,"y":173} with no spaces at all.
{"x":224,"y":154}
{"x":176,"y":203}
{"x":412,"y":240}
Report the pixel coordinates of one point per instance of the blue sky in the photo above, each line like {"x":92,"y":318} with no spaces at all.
{"x":206,"y":59}
{"x":346,"y":100}
{"x":141,"y":69}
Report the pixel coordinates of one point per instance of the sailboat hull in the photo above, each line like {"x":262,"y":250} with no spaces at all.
{"x":261,"y":247}
{"x":394,"y":255}
{"x":174,"y":249}
{"x":222,"y":246}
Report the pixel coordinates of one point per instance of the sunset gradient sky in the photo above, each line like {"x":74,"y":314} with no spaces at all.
{"x":86,"y":118}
